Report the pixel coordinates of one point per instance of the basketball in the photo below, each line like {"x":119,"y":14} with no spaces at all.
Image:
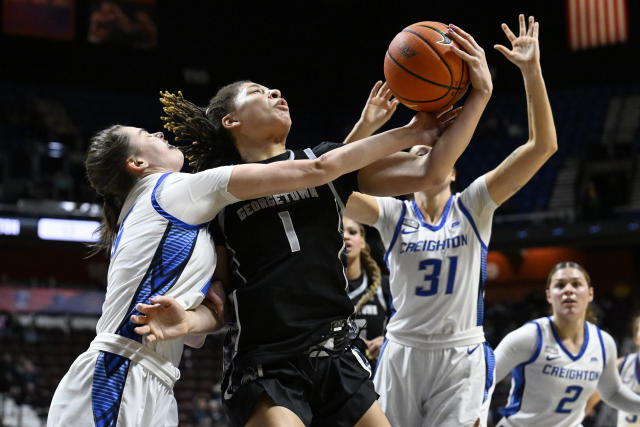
{"x":422,"y":71}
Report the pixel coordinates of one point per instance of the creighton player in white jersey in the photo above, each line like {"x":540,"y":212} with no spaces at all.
{"x":629,"y":369}
{"x":435,"y":367}
{"x":155,"y":228}
{"x":557,"y":362}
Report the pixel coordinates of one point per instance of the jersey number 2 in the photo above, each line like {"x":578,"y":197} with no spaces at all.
{"x":433,"y":277}
{"x":576,"y":390}
{"x":292,"y":237}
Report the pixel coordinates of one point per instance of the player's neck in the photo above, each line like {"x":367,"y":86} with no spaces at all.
{"x":432,"y":204}
{"x":254,"y":151}
{"x":354,"y":269}
{"x":570,"y":329}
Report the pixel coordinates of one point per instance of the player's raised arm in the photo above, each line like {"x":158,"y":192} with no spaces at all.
{"x":257,"y":180}
{"x":517,"y":169}
{"x":403,"y":173}
{"x":377,"y":111}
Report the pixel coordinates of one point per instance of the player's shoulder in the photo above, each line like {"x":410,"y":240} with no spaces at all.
{"x":606,"y":337}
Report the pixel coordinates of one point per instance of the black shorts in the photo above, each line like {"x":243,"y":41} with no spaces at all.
{"x":324,"y":390}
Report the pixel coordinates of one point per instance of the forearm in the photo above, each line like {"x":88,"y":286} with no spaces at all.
{"x":359,"y":154}
{"x":542,"y":132}
{"x":359,"y":131}
{"x":202,"y":320}
{"x":623,"y":399}
{"x":456,"y":138}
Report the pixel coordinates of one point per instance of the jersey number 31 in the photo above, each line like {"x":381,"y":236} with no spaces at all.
{"x":433,"y":266}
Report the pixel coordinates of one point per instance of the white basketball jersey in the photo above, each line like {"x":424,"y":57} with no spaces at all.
{"x":552,"y":388}
{"x":630,"y":376}
{"x":155,"y":253}
{"x":437,"y":272}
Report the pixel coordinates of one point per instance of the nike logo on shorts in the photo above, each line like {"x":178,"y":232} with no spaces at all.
{"x":469,"y":351}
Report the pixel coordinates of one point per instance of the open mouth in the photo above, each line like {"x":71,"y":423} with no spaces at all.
{"x":282,"y":105}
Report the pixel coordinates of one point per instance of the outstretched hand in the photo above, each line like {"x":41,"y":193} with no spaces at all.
{"x":434,"y":124}
{"x":165,"y":319}
{"x":525,"y":49}
{"x":380,"y":106}
{"x":473,"y":54}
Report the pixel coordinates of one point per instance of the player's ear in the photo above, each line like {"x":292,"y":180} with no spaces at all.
{"x":229,"y":121}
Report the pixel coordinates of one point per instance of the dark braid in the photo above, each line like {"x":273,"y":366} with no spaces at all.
{"x":211,"y":144}
{"x":106,"y":170}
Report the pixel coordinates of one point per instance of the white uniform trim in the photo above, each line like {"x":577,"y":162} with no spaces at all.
{"x":137,"y":353}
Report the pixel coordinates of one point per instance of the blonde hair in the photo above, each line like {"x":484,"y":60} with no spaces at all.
{"x":371,"y":268}
{"x":590,"y":315}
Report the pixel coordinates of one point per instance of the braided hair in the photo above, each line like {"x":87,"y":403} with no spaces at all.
{"x":107,"y":174}
{"x":373,"y":272}
{"x":211,"y":143}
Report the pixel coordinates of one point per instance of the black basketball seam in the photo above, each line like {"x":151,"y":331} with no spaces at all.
{"x":420,"y":77}
{"x":415,"y":100}
{"x":433,"y":49}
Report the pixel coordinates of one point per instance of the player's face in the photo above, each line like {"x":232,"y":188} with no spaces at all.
{"x":353,"y":239}
{"x":260,"y":112}
{"x":569,"y":293}
{"x":154,"y":149}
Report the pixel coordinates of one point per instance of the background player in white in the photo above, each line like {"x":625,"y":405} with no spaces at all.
{"x":557,"y":362}
{"x":435,"y":368}
{"x":629,"y":369}
{"x":155,"y":226}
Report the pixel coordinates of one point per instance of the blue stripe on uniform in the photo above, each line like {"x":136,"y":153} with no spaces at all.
{"x":604,"y":353}
{"x":584,"y":344}
{"x":165,"y":214}
{"x":107,"y":388}
{"x":518,"y":379}
{"x":445,"y":214}
{"x":395,"y":233}
{"x":120,"y":230}
{"x":490,"y":366}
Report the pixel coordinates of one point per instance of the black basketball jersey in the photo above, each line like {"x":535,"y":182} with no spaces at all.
{"x":373,"y":316}
{"x":284,"y":260}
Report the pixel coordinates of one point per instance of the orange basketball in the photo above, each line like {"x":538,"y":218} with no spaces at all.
{"x":421,"y":69}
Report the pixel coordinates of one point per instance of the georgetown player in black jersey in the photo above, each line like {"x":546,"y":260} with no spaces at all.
{"x":368,"y":288}
{"x":292,"y":355}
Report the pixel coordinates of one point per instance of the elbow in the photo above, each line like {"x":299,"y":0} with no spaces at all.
{"x":324,"y":170}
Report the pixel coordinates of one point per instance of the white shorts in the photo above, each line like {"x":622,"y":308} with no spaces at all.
{"x":443,"y":387}
{"x":146,"y":401}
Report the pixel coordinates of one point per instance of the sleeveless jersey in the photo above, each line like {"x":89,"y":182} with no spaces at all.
{"x":552,"y":388}
{"x":630,"y":376}
{"x":437,"y":272}
{"x":157,"y":252}
{"x":286,"y":271}
{"x":373,"y":315}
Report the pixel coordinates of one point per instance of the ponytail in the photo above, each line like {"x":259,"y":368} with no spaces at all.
{"x":211,"y":143}
{"x":106,"y":170}
{"x":373,"y":272}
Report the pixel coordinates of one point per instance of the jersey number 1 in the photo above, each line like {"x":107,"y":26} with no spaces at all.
{"x":292,"y":237}
{"x":433,"y":278}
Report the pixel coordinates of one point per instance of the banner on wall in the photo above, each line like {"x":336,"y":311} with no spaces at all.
{"x":123,"y":22}
{"x":51,"y":19}
{"x":51,"y":301}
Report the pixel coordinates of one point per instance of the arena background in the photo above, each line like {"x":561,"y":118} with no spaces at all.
{"x":67,"y":71}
